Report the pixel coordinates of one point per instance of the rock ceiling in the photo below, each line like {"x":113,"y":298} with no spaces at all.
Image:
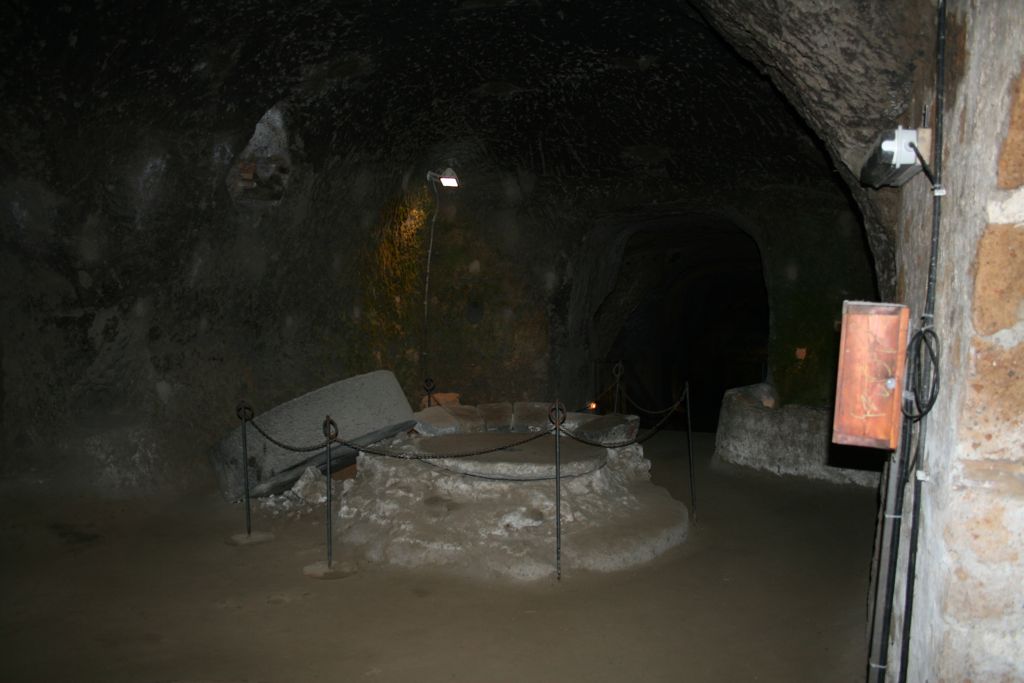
{"x":567,"y":88}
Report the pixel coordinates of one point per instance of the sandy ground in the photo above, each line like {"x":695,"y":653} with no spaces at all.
{"x":770,"y":587}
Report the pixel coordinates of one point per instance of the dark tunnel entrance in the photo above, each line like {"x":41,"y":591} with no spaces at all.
{"x":695,"y":308}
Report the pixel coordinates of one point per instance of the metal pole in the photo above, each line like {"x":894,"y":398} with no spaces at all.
{"x":429,"y":387}
{"x":244,"y":412}
{"x":331,"y":432}
{"x":689,"y":453}
{"x":557,"y":416}
{"x":425,"y":351}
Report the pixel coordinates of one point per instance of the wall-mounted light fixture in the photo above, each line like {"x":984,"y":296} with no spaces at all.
{"x":446,"y":177}
{"x":895,"y":157}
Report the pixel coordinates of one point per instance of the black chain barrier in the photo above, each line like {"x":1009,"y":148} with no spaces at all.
{"x":422,"y":455}
{"x":631,"y":401}
{"x":556,"y":416}
{"x":400,"y":455}
{"x":617,"y":371}
{"x":636,"y":439}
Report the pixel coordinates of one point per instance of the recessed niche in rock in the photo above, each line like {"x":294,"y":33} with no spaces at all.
{"x":261,"y":173}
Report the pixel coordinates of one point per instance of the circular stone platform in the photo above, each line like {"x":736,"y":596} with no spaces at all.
{"x":493,"y":515}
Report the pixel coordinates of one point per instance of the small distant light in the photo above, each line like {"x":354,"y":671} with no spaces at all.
{"x":592,"y":405}
{"x":449,"y":179}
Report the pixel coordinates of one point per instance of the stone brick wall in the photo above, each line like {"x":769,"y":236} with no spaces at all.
{"x":968,"y":620}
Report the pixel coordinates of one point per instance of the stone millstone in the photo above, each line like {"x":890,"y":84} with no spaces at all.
{"x":362,"y":405}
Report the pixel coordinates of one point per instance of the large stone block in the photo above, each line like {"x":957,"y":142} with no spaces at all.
{"x":791,"y":440}
{"x":364,"y":405}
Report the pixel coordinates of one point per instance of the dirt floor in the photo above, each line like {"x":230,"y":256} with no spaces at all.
{"x":770,"y":586}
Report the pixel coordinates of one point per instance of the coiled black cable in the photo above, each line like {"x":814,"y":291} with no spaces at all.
{"x":923,"y":378}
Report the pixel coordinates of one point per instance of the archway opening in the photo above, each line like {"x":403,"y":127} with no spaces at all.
{"x":694,"y":308}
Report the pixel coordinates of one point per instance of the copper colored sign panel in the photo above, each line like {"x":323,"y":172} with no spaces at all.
{"x":872,"y":354}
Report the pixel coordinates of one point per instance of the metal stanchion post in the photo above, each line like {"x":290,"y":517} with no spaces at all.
{"x":689,"y":453}
{"x":429,"y":387}
{"x":556,"y":414}
{"x":327,"y":570}
{"x":331,"y":432}
{"x":245,"y":413}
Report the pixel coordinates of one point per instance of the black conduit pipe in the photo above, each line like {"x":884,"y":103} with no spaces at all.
{"x":894,"y":547}
{"x":937,"y":194}
{"x":935,"y":176}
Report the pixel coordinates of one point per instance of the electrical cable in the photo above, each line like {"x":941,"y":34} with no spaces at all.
{"x":924,"y":378}
{"x":931,"y":361}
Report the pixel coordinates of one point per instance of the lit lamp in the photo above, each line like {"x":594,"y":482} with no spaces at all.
{"x":447,"y":177}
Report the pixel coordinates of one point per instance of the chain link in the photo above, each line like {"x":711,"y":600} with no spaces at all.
{"x":421,"y":455}
{"x":632,"y":401}
{"x":636,"y":439}
{"x":401,"y":455}
{"x":288,"y":447}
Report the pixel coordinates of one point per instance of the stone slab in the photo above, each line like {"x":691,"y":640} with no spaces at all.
{"x":341,"y":458}
{"x":359,"y":405}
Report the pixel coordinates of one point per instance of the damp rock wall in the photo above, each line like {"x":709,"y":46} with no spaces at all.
{"x":161,"y":259}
